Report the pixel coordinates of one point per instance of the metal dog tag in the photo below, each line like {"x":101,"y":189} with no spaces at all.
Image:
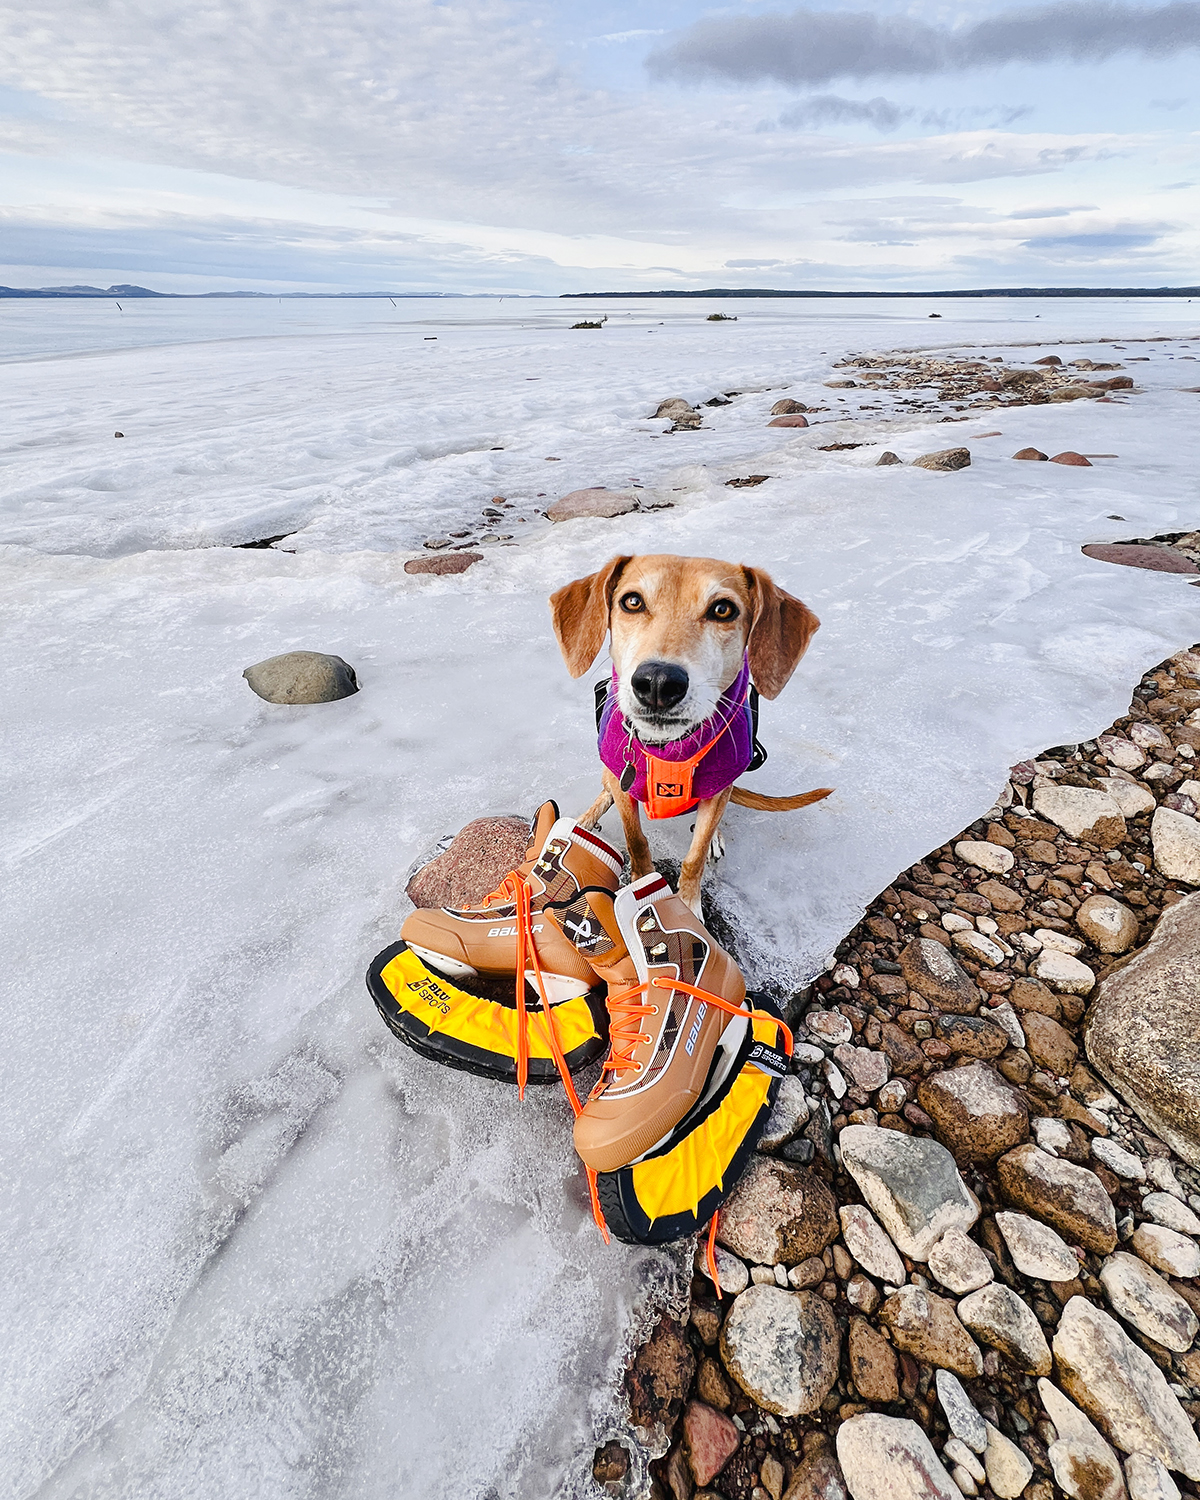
{"x":628,"y":777}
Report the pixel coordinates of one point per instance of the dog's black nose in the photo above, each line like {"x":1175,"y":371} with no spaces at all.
{"x":659,"y":685}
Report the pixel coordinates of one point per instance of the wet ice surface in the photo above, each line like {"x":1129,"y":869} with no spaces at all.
{"x":251,"y":1244}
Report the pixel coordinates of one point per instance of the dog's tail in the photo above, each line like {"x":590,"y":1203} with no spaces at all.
{"x":760,"y":803}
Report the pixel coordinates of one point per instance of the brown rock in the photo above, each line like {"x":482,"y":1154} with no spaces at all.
{"x":474,"y":864}
{"x":789,"y":421}
{"x":778,"y":1214}
{"x":1032,"y":995}
{"x":444,"y":563}
{"x":601,"y":502}
{"x":901,"y":1050}
{"x":1075,"y":460}
{"x":937,"y":975}
{"x":975,"y":1112}
{"x":1042,"y":851}
{"x":947,"y":460}
{"x":1002,"y":896}
{"x":817,"y":1477}
{"x":1016,"y":1065}
{"x":1107,"y":924}
{"x":926,"y":1326}
{"x":971,"y":1036}
{"x":1034,"y":453}
{"x":711,"y":1385}
{"x":610,"y":1464}
{"x":1068,"y":1198}
{"x":787,"y":407}
{"x":660,"y":1377}
{"x":1050,"y":1046}
{"x":710,"y":1438}
{"x":1156,"y":559}
{"x":887,"y":459}
{"x":872,"y":1363}
{"x":1049,"y":359}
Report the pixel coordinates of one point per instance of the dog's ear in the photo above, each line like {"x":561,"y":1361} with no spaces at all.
{"x":581,"y":615}
{"x":780,"y":630}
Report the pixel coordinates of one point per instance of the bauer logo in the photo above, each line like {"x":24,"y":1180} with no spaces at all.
{"x":689,"y":1045}
{"x":512,"y":931}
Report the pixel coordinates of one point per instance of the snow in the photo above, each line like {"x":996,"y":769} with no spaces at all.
{"x":251,"y":1244}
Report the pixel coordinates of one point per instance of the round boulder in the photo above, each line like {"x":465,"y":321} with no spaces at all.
{"x":782,"y":1348}
{"x":1108,"y":925}
{"x":475,"y":862}
{"x":302,"y":677}
{"x":778,"y":1215}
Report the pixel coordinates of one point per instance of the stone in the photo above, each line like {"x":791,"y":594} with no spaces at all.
{"x":1128,"y":555}
{"x":926,"y":1326}
{"x":1052,"y":1136}
{"x":732,"y":1272}
{"x":778,"y":1214}
{"x":1165,"y":1209}
{"x":1031,"y":994}
{"x":867,"y":1068}
{"x":1037,"y":1250}
{"x":1175,"y":838}
{"x":1059,"y":941}
{"x":1072,"y":459}
{"x":1063,"y":973}
{"x":1148,"y":736}
{"x":1050,"y":1045}
{"x":997,"y":1315}
{"x":1069,"y":1198}
{"x":302,"y":677}
{"x":1084,"y":1465}
{"x":658,"y":1381}
{"x":1124,"y":1163}
{"x":955,"y":1451}
{"x":959,"y":1264}
{"x":711,"y":1385}
{"x":818,"y":1476}
{"x":1107,"y":924}
{"x":782,"y":1348}
{"x":771,"y":1473}
{"x":872,"y":1363}
{"x":946,"y":460}
{"x":890,"y":1458}
{"x":1122,"y":1389}
{"x":1005,"y":1017}
{"x":933,"y":972}
{"x":1130,"y":796}
{"x":887,"y":458}
{"x":444,"y":564}
{"x":789,"y":1115}
{"x":993,"y":858}
{"x":869,"y":1246}
{"x":810,"y":1272}
{"x":1145,"y":1301}
{"x":961,"y":1417}
{"x":1082,"y":813}
{"x":910,"y":1183}
{"x":972,"y":1036}
{"x":1121,"y":752}
{"x":474,"y":863}
{"x":978,"y":947}
{"x":598,"y":502}
{"x":1008,"y":1470}
{"x":787,"y":407}
{"x":830,"y":1025}
{"x":1167,"y":1250}
{"x":610,"y":1463}
{"x":975,"y":1112}
{"x":711,"y":1440}
{"x":793,"y":420}
{"x":1143,"y":1029}
{"x":1148,"y":1479}
{"x":671,"y":405}
{"x":861,"y":1292}
{"x":1034,"y":453}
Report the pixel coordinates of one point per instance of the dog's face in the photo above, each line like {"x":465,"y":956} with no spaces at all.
{"x":681,"y":627}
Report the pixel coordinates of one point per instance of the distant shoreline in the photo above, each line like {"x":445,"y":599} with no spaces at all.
{"x":1010,"y":291}
{"x":131,"y":293}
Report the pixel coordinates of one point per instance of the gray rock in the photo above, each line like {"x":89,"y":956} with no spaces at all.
{"x":1130,"y":796}
{"x":1175,"y":838}
{"x":961,"y":1417}
{"x":445,"y":563}
{"x":1124,"y":1163}
{"x":302,"y":677}
{"x":1143,"y":1029}
{"x":1147,"y":1303}
{"x":1069,"y":1198}
{"x":1148,"y":1479}
{"x":1166,"y":1250}
{"x":945,"y":459}
{"x":1063,"y":973}
{"x":1082,"y":813}
{"x":959,"y":1264}
{"x":1084,"y":1465}
{"x":788,"y":1117}
{"x":932,"y":971}
{"x":778,"y":1214}
{"x":1122,"y":1388}
{"x":1165,"y":1209}
{"x":1036,"y":1249}
{"x":887,"y":458}
{"x":911,"y":1184}
{"x":1008,"y":1470}
{"x":782,"y":1348}
{"x":995,"y":859}
{"x":581,"y":504}
{"x":869,"y":1246}
{"x":890,"y":1458}
{"x":927,"y":1327}
{"x":671,"y":405}
{"x":1107,"y":924}
{"x":998,"y":1316}
{"x":868,"y":1069}
{"x":975,"y":1112}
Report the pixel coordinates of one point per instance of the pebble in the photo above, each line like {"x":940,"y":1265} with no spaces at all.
{"x":1031,"y":453}
{"x":1165,"y":1209}
{"x":831,"y":1025}
{"x":1006,"y":1018}
{"x":1066,"y":974}
{"x":789,"y":1114}
{"x":1121,"y":752}
{"x":302,"y":677}
{"x":1107,"y":924}
{"x":975,"y":1111}
{"x":993,"y":858}
{"x":1147,"y":1303}
{"x":1167,"y":1250}
{"x":998,"y":1316}
{"x":445,"y":564}
{"x":1082,"y":813}
{"x":1124,"y":1163}
{"x":872,"y":1363}
{"x":731,"y":1270}
{"x":868,"y":1069}
{"x":1008,"y":1470}
{"x":1060,"y":941}
{"x":599,"y":502}
{"x":778,"y":1213}
{"x":1052,"y":1136}
{"x":1050,"y":1045}
{"x":959,"y":1264}
{"x":1175,"y":838}
{"x":946,"y":460}
{"x":833,"y":1077}
{"x":1036,"y":1249}
{"x":932,"y":971}
{"x":891,"y":1458}
{"x":782,"y":1348}
{"x":911,"y":1184}
{"x":961,"y":1417}
{"x":1162,"y":1175}
{"x":957,"y":1452}
{"x":1118,"y":1384}
{"x":473,"y":863}
{"x":869,"y":1245}
{"x":1148,"y":1479}
{"x":1068,"y":1197}
{"x":926,"y":1326}
{"x":1131,"y":797}
{"x":1084,"y":1465}
{"x":979,"y":948}
{"x":710,"y":1438}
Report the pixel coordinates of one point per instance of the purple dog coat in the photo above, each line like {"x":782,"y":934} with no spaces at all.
{"x":730,"y":755}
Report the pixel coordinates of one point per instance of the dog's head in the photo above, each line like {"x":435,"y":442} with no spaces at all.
{"x":680,"y":629}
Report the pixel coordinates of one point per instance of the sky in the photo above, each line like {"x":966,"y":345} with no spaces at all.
{"x":542,"y":146}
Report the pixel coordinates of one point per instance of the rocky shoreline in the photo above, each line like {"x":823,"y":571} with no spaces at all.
{"x":964,"y":1261}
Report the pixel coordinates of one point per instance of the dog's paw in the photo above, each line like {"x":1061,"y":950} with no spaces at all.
{"x":716,"y":849}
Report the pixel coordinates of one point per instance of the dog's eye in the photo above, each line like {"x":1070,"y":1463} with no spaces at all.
{"x":723,"y":610}
{"x":632,"y":604}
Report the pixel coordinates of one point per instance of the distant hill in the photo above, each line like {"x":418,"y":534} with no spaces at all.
{"x":79,"y":291}
{"x":129,"y":292}
{"x":996,"y":291}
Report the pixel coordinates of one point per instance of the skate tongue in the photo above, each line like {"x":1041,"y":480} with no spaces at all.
{"x":631,"y":901}
{"x":539,"y":830}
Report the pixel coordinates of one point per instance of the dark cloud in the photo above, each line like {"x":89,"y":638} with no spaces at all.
{"x":808,"y":47}
{"x":1103,"y":243}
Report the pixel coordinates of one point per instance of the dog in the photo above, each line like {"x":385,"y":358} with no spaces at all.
{"x":687,"y":635}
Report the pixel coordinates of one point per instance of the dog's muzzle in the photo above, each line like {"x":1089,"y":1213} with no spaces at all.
{"x":659,"y":686}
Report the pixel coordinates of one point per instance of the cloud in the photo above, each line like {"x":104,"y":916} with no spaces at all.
{"x":809,"y":47}
{"x":886,"y":116}
{"x":1100,"y":244}
{"x":749,"y":265}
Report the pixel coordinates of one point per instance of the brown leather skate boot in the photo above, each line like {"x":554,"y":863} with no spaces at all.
{"x":541,"y":895}
{"x":676,"y":1020}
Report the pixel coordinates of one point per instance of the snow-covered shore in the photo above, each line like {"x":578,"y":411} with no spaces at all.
{"x":251,"y":1245}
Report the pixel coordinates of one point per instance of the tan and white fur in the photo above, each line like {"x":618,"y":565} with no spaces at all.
{"x":690,"y":620}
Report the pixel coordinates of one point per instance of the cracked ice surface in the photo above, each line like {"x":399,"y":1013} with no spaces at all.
{"x":251,"y":1245}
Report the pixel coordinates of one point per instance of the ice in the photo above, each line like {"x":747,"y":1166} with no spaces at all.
{"x":252,"y":1245}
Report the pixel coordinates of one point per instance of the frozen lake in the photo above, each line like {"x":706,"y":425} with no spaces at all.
{"x":251,"y":1245}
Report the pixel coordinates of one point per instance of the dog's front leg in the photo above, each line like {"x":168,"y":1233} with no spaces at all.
{"x":591,"y":818}
{"x":708,"y":819}
{"x":640,"y":862}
